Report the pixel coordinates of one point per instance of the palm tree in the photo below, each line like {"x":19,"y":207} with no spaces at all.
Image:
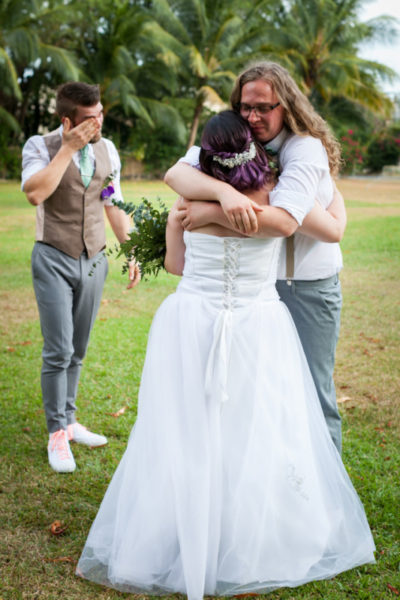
{"x":204,"y":43}
{"x":28,"y":54}
{"x":115,"y":50}
{"x":319,"y":41}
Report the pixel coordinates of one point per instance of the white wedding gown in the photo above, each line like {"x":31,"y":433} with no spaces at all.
{"x":230,"y":482}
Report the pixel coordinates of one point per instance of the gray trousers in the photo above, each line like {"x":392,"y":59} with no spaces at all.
{"x":68,"y":300}
{"x":315,"y":308}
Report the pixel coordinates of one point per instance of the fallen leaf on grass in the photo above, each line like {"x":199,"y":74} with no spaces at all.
{"x":60,"y":559}
{"x":10,"y":349}
{"x":26,"y":343}
{"x":370,"y":339}
{"x":393,"y":589}
{"x":343,"y":399}
{"x":119,"y":412}
{"x":57,"y":528}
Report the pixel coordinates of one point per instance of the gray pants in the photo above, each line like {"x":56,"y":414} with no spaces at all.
{"x":315,"y":308}
{"x":68,"y":300}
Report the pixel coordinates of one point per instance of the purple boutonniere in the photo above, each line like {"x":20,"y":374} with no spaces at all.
{"x":108,"y":189}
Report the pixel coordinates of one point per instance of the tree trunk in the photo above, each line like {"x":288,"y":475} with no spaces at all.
{"x":195,"y":125}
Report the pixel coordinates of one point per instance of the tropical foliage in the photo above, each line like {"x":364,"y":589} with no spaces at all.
{"x":205,"y":44}
{"x":318,"y":41}
{"x":384,"y":149}
{"x":34,"y":56}
{"x":164,"y":65}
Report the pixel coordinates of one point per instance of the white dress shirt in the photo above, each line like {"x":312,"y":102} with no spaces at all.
{"x":35,"y":157}
{"x":304,"y":178}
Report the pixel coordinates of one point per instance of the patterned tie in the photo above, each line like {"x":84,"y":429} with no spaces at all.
{"x":86,"y":166}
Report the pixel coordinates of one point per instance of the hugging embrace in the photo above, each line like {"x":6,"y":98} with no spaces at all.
{"x":232,"y":481}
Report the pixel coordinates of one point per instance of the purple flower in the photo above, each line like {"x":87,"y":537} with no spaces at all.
{"x":108,"y":191}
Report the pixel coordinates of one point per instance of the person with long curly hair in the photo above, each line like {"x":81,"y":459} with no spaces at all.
{"x":282,"y":119}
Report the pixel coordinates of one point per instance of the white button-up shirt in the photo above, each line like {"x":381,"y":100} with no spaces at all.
{"x":304,"y":178}
{"x":35,"y":157}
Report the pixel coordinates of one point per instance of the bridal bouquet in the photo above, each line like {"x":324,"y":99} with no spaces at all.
{"x":147,"y":237}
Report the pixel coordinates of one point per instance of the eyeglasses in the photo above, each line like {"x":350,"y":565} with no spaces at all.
{"x":259,"y":109}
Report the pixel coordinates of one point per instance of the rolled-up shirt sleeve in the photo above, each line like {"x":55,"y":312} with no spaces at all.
{"x":116,"y":172}
{"x":192,"y":156}
{"x":35,"y":157}
{"x":304,"y":163}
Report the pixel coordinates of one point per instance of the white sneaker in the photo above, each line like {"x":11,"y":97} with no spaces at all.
{"x":78,"y":433}
{"x":59,"y":452}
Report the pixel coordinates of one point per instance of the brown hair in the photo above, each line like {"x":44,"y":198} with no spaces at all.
{"x":72,"y":94}
{"x":299,"y":114}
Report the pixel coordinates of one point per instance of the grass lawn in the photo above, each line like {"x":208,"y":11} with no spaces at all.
{"x":34,"y":564}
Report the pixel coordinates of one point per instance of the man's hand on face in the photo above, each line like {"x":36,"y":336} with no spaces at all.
{"x":77,"y":137}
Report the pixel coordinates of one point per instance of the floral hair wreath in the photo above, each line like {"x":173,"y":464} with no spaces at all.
{"x":239,"y":158}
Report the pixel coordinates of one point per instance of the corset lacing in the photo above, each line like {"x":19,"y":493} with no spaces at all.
{"x":217,"y":365}
{"x":230,"y":272}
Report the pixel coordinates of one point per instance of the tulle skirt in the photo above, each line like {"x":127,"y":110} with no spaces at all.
{"x":230,"y":482}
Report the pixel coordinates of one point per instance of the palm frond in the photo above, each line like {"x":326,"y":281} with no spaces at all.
{"x":9,"y":121}
{"x":61,"y":61}
{"x":165,"y":115}
{"x":9,"y":75}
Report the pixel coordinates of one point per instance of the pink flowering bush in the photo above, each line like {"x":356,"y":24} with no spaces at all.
{"x":354,"y":153}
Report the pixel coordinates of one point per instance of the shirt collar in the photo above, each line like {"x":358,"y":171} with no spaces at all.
{"x":277,"y":142}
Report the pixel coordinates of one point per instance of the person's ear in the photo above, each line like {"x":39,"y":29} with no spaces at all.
{"x":66,"y":123}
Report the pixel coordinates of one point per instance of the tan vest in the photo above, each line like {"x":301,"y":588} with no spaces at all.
{"x":73,"y":219}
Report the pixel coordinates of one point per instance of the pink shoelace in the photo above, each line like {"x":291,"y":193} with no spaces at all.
{"x":58,"y":441}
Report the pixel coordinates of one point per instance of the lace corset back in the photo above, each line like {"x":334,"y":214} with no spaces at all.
{"x":230,"y":269}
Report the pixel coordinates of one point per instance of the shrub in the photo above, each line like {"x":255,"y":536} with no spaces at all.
{"x":10,"y":162}
{"x":353,"y":152}
{"x":384,"y":149}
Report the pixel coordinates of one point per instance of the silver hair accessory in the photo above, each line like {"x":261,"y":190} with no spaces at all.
{"x":240,"y":158}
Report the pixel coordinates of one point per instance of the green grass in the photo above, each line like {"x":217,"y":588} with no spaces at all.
{"x":36,"y":565}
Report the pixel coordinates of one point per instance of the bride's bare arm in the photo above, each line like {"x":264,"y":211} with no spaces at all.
{"x":326,"y":225}
{"x":189,"y":182}
{"x":175,"y":254}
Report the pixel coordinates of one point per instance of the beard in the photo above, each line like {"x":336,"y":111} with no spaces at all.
{"x":95,"y":138}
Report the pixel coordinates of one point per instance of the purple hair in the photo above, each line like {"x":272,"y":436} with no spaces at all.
{"x":226,"y":135}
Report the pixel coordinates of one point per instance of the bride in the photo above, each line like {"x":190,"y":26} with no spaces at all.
{"x":230,"y":483}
